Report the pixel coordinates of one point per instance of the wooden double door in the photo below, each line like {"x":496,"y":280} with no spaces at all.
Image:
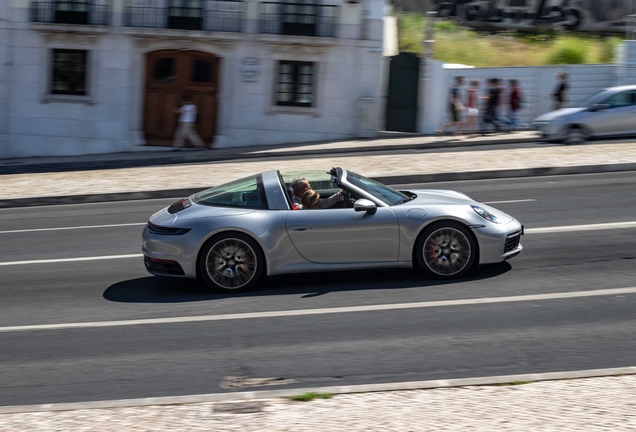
{"x":171,"y":74}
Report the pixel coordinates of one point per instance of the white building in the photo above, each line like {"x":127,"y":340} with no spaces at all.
{"x":98,"y":76}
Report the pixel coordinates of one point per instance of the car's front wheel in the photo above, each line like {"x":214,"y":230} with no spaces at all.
{"x":446,"y":250}
{"x":231,"y":262}
{"x":575,"y":135}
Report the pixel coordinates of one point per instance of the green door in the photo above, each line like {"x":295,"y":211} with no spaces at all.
{"x":401,"y":109}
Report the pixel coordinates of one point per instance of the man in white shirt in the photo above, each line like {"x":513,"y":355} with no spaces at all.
{"x":186,"y":130}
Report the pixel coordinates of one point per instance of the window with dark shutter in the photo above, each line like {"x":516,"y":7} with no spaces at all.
{"x":295,"y":84}
{"x":69,"y":72}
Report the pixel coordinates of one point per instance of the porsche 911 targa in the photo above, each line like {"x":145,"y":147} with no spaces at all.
{"x":232,"y":235}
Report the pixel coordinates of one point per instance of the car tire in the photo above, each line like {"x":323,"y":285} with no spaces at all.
{"x":231,"y":263}
{"x":575,"y":135}
{"x":446,"y":250}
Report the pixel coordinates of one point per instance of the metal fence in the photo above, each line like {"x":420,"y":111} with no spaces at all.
{"x":298,"y":19}
{"x":216,"y":15}
{"x":63,"y":12}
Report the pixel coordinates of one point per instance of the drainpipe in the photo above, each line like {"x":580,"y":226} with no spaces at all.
{"x":427,"y":52}
{"x":5,"y":127}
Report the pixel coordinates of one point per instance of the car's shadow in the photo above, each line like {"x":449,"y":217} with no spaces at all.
{"x":153,"y":289}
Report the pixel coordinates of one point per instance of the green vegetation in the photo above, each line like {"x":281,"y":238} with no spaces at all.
{"x":306,"y":397}
{"x":454,"y":44}
{"x":514,"y":383}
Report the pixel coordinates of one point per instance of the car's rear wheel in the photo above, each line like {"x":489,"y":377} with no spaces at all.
{"x":446,"y":250}
{"x":231,"y":262}
{"x":575,"y":135}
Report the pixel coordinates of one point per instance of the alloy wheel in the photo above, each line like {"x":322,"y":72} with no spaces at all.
{"x":231,"y":263}
{"x":447,"y":251}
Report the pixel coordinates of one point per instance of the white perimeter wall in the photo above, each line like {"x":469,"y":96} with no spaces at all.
{"x":626,"y":58}
{"x":536,"y":83}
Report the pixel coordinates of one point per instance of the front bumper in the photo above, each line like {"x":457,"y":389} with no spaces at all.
{"x":550,"y":132}
{"x":498,"y":243}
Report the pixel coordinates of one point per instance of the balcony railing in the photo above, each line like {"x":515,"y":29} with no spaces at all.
{"x":70,"y":12}
{"x":298,"y":19}
{"x":218,"y":15}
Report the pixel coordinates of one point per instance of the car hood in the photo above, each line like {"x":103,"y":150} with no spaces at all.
{"x":558,"y":113}
{"x":433,"y":196}
{"x":429,"y":197}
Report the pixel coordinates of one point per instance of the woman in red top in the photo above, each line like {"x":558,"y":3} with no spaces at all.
{"x":515,"y":105}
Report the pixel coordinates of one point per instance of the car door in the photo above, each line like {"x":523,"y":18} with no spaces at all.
{"x":619,"y":117}
{"x":343,"y":235}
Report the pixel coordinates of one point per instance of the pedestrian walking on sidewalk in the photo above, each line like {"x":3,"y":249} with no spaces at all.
{"x":493,"y":100}
{"x":472,"y":106}
{"x":187,"y":119}
{"x":516,"y":98}
{"x":455,"y":108}
{"x":560,"y":91}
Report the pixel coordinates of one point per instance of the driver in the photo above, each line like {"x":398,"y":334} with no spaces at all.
{"x":300,"y":186}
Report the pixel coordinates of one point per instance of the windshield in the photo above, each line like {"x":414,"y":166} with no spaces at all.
{"x":597,"y":98}
{"x":382,"y":192}
{"x":247,"y":192}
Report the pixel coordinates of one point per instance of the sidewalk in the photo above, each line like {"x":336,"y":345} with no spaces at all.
{"x":592,"y":404}
{"x":153,"y":155}
{"x":394,"y":167}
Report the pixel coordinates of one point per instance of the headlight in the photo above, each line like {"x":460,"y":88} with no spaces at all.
{"x":485,"y":214}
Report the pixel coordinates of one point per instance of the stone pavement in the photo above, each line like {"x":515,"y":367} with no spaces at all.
{"x":394,"y":167}
{"x":592,"y":404}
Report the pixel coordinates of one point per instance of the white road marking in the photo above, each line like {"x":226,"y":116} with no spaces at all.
{"x":60,"y":260}
{"x":545,"y":230}
{"x":323,"y":311}
{"x":590,"y":227}
{"x":510,"y":201}
{"x":565,"y":228}
{"x":73,"y":228}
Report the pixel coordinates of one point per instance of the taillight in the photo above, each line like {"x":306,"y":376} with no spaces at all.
{"x":156,"y":229}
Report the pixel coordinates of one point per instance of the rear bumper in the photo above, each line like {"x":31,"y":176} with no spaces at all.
{"x":162,"y":267}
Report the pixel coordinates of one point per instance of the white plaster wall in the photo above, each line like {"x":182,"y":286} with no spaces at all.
{"x":110,"y":119}
{"x":44,"y":124}
{"x":344,"y":73}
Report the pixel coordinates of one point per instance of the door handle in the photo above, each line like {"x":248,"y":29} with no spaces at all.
{"x":300,"y":228}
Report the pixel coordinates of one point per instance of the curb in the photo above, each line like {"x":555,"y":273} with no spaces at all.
{"x":266,"y":394}
{"x":399,"y":179}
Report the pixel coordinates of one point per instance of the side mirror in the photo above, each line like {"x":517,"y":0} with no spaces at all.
{"x":365,"y":205}
{"x":599,"y":107}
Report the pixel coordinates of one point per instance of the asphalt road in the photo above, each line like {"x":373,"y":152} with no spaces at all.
{"x":169,"y":359}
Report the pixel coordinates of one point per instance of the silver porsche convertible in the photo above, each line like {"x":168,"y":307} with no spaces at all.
{"x":232,"y":235}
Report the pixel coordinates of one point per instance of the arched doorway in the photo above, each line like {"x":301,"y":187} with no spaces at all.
{"x":171,"y":74}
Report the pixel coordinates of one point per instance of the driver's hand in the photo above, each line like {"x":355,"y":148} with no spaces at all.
{"x":342,"y":192}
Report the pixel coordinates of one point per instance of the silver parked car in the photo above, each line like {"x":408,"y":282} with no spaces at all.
{"x":611,"y":112}
{"x":232,"y":235}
